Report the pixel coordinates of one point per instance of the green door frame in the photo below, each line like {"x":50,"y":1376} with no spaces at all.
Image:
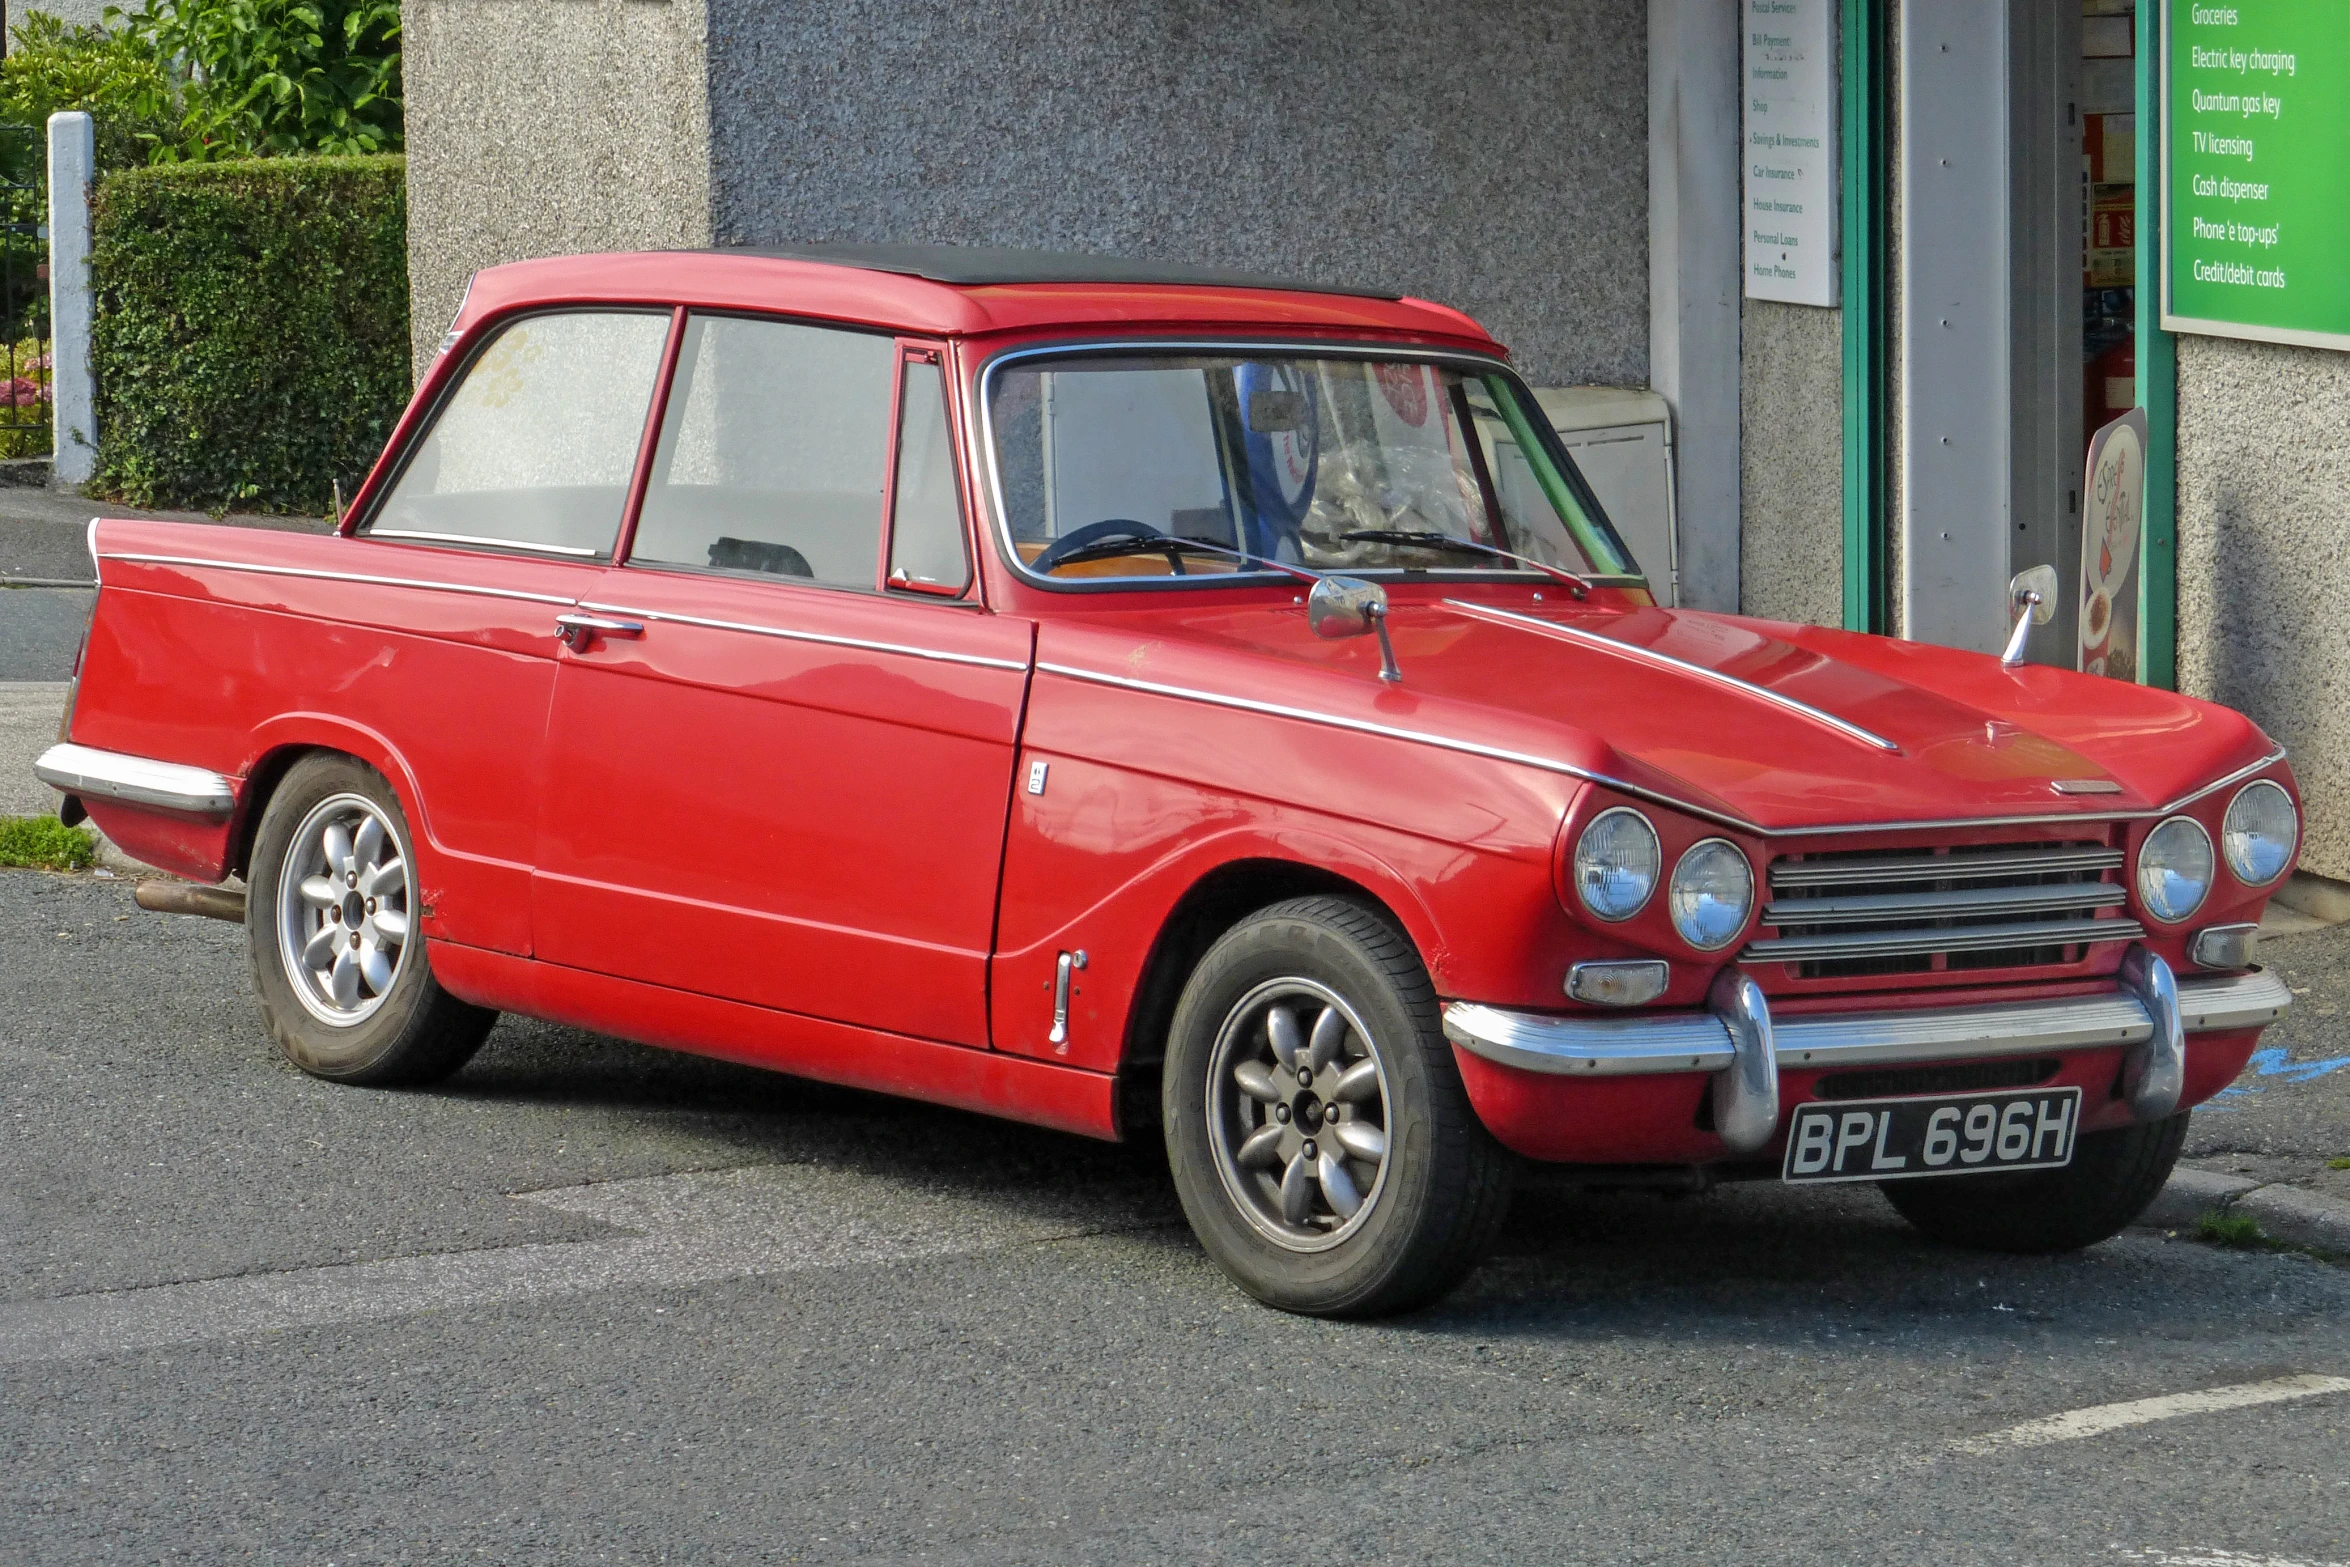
{"x":2158,"y":381}
{"x":1865,"y":158}
{"x":1863,"y":218}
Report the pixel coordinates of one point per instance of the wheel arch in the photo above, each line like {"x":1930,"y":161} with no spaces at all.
{"x":279,"y":745}
{"x":1215,"y":901}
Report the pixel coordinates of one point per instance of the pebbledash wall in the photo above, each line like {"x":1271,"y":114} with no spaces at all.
{"x":1488,"y":153}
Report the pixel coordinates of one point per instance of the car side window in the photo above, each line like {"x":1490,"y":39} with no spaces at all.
{"x":773,"y":453}
{"x":926,"y":516}
{"x":536,"y":448}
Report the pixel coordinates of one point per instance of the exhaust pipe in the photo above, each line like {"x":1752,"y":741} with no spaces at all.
{"x":180,"y":897}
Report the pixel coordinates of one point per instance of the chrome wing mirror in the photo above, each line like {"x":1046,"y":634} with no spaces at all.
{"x":1340,"y":607}
{"x":2031,"y":598}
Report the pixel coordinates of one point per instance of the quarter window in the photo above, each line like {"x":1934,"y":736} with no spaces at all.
{"x":926,"y":520}
{"x":772,"y":453}
{"x":536,"y":448}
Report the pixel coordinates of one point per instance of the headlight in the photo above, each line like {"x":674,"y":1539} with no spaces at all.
{"x":1713,"y":892}
{"x":1616,"y":862}
{"x":2174,"y":869}
{"x":2260,"y":833}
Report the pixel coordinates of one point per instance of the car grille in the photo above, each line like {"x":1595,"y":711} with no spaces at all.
{"x":1863,"y":912}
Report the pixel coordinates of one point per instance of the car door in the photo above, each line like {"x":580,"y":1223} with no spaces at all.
{"x":782,"y":768}
{"x":502,"y":513}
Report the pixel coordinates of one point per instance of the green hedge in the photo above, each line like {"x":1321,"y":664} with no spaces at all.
{"x":251,"y":343}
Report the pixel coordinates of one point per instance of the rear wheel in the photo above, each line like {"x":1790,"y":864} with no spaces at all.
{"x":338,"y":965}
{"x":1320,"y":1139}
{"x":2112,"y":1179}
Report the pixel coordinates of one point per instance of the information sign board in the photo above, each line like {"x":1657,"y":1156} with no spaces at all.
{"x":2256,"y":158}
{"x":1788,"y":59}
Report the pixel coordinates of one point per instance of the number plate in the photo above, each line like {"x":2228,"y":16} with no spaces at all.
{"x":1960,"y":1134}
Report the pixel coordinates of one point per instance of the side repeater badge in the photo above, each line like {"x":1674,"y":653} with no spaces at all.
{"x":2085,"y":786}
{"x":1036,"y":772}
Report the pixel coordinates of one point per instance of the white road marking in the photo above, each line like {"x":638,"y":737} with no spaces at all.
{"x":684,"y":1230}
{"x":2099,"y":1418}
{"x":2202,"y":1558}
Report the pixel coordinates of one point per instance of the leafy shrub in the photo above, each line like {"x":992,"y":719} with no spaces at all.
{"x":257,"y":78}
{"x":43,"y":843}
{"x":114,"y":78}
{"x":252,"y":328}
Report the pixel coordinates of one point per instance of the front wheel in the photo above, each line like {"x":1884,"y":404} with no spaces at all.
{"x":2112,"y":1179}
{"x":338,"y":963}
{"x":1324,"y":1149}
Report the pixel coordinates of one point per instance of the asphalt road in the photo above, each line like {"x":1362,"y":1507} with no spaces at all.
{"x":591,"y":1303}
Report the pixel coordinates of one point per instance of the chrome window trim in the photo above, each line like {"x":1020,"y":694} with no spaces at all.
{"x":1637,"y":654}
{"x":863,"y":644}
{"x":1292,"y":346}
{"x":1638,"y":791}
{"x":483,"y":541}
{"x":89,"y":772}
{"x":1616,"y":1046}
{"x":422,"y":584}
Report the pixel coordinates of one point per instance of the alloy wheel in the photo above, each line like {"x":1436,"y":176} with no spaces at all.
{"x":1297,"y":1113}
{"x":343,"y":901}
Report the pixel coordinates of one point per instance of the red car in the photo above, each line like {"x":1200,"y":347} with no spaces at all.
{"x":1153,"y":703}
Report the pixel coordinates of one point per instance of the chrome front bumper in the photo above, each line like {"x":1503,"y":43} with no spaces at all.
{"x":1744,"y":1047}
{"x":137,"y":780}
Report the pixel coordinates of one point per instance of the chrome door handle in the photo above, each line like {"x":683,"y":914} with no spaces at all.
{"x":577,"y":631}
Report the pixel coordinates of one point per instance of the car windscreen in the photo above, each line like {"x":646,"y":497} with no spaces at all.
{"x":1323,"y":461}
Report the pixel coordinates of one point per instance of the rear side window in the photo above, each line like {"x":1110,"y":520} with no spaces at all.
{"x":773,"y":453}
{"x":926,"y":519}
{"x":536,"y":448}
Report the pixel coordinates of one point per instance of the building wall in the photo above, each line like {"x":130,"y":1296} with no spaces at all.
{"x":1489,"y":154}
{"x":1791,"y":412}
{"x":2264,"y":600}
{"x":537,"y":129}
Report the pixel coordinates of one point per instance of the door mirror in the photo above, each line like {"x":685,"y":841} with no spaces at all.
{"x":2031,"y":598}
{"x":1340,"y":607}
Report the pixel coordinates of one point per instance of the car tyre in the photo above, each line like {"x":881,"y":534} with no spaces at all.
{"x":2112,"y":1179}
{"x":1320,"y":1139}
{"x":342,"y":975}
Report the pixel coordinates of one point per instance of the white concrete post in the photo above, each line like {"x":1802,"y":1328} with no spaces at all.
{"x":1694,"y":224}
{"x":73,"y":158}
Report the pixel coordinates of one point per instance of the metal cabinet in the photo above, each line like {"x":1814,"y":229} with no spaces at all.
{"x":1622,"y":439}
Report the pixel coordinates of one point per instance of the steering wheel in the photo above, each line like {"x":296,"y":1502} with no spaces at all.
{"x":1078,"y":540}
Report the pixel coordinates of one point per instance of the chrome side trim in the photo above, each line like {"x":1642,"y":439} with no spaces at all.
{"x":977,"y":659}
{"x":480,"y":540}
{"x":1642,"y":655}
{"x":1549,"y":764}
{"x":1390,"y":731}
{"x":136,"y":780}
{"x":422,"y":583}
{"x":1947,"y":938}
{"x":1608,"y":1046}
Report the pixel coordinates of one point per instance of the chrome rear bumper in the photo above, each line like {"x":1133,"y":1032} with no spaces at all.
{"x":136,"y":780}
{"x":2151,"y":1010}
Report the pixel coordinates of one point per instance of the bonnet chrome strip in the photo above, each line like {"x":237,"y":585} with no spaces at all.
{"x":979,"y":660}
{"x":422,"y":583}
{"x":1641,"y":791}
{"x":1637,"y":654}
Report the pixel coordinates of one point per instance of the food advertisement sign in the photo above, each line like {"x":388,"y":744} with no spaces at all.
{"x":2110,"y":527}
{"x":2256,"y":158}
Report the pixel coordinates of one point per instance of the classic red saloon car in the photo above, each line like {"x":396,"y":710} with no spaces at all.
{"x":1152,"y":704}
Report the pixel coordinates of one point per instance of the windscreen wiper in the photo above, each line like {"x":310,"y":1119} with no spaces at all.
{"x":1445,"y":541}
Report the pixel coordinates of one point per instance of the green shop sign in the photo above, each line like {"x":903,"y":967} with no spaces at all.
{"x":2256,"y":169}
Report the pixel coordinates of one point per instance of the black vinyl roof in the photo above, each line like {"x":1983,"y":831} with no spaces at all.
{"x":974,"y":266}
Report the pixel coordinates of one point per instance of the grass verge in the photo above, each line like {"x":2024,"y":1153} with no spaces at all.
{"x":43,"y":843}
